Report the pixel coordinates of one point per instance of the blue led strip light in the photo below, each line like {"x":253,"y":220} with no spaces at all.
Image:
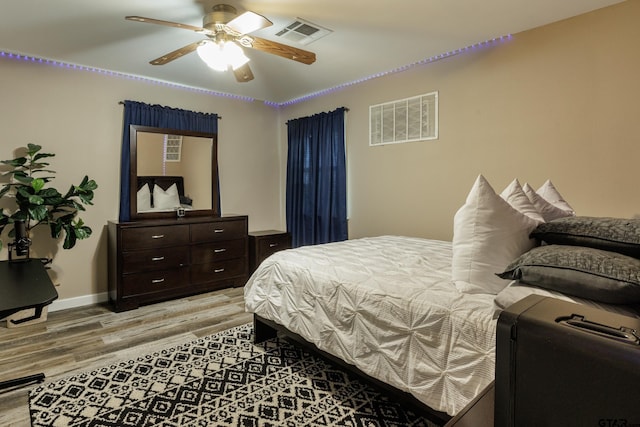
{"x":474,"y":47}
{"x":45,"y":61}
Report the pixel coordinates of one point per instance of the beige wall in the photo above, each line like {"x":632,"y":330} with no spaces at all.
{"x":150,"y":148}
{"x":558,"y":102}
{"x":197,"y":180}
{"x":75,"y":115}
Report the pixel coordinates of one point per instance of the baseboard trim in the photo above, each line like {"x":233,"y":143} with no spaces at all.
{"x":66,"y":303}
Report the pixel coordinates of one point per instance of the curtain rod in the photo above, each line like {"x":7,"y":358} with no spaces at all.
{"x":122,"y":103}
{"x":346,"y":110}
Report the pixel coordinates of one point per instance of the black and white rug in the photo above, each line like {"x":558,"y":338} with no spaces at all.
{"x":221,"y":380}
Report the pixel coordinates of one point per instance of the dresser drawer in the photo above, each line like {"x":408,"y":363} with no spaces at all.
{"x":155,"y":259}
{"x":154,"y":281}
{"x":217,"y":231}
{"x":272,"y":244}
{"x":218,"y":251}
{"x":154,"y":237}
{"x":215,"y":271}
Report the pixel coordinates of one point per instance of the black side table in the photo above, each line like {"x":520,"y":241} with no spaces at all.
{"x":24,"y":284}
{"x":264,"y":243}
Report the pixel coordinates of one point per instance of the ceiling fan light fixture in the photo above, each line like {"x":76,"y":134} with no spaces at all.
{"x":221,"y":56}
{"x":212,"y":55}
{"x":234,"y":55}
{"x":227,"y":37}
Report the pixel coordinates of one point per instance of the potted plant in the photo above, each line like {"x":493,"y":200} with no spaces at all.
{"x":37,"y":204}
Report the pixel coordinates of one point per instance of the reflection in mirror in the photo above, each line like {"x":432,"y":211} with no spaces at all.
{"x":173,"y":171}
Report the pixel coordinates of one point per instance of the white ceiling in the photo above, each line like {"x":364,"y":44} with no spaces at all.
{"x":369,"y":36}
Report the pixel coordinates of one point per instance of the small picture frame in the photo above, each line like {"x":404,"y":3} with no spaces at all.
{"x":180,"y":212}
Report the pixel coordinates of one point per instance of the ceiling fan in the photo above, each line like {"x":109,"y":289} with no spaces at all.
{"x":227,"y":33}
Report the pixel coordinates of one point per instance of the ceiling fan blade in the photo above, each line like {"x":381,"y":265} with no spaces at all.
{"x":243,"y":74}
{"x":283,"y":50}
{"x":175,"y":54}
{"x":169,"y":24}
{"x":249,"y":22}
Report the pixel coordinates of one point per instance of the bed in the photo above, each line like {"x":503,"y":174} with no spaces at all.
{"x":161,"y":194}
{"x":387,"y":306}
{"x":420,"y":315}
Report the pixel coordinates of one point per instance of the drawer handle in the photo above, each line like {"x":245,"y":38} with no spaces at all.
{"x":218,"y":270}
{"x":219,"y":230}
{"x":217,"y":251}
{"x":157,"y":258}
{"x":156,"y":281}
{"x":273,"y":245}
{"x":158,"y":236}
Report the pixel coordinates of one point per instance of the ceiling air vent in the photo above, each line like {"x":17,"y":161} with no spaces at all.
{"x":303,"y":32}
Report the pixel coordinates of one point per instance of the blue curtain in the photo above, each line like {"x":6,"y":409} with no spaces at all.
{"x":317,"y":179}
{"x":138,"y":113}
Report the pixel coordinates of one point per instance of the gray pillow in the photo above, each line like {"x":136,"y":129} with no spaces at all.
{"x":584,"y":272}
{"x":610,"y":234}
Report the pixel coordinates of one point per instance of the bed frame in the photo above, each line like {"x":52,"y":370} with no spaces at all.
{"x":266,"y":329}
{"x":163,"y":182}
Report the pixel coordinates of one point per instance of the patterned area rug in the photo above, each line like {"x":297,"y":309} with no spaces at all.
{"x":220,"y":380}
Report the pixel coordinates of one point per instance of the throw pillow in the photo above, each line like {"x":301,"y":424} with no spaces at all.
{"x":166,"y":199}
{"x":548,"y":211}
{"x":584,"y":272}
{"x":549,"y":192}
{"x":515,"y":196}
{"x":611,"y":234}
{"x":143,"y":201}
{"x":488,"y":234}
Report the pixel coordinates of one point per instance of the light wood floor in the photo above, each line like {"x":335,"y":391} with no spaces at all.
{"x":84,"y":338}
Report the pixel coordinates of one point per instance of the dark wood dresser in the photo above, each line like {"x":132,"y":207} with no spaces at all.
{"x":264,"y":243}
{"x":155,"y":260}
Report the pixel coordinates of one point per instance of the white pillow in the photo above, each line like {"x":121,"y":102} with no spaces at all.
{"x":487,"y":235}
{"x":548,"y":211}
{"x":549,"y":192}
{"x":144,"y":198}
{"x":514,"y":195}
{"x":166,"y":199}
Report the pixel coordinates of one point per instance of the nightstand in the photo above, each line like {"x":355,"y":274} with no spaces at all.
{"x":264,"y":243}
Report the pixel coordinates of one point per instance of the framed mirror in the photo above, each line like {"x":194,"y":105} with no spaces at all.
{"x":173,"y":173}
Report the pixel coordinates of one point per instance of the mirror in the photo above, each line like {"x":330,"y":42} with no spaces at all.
{"x":173,"y":173}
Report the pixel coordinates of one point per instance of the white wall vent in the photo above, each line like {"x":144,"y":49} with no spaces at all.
{"x":172,"y":148}
{"x":404,"y":120}
{"x":303,"y":32}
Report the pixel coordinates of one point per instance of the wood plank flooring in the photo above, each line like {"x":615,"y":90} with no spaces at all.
{"x":80,"y":339}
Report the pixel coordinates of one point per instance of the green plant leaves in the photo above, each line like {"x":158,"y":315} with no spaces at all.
{"x":73,"y":232}
{"x":38,"y":213}
{"x":38,"y":205}
{"x":16,"y":163}
{"x":22,"y":177}
{"x":34,"y":199}
{"x":37,"y":184}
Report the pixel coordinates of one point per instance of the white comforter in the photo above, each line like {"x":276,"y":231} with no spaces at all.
{"x":386,"y":305}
